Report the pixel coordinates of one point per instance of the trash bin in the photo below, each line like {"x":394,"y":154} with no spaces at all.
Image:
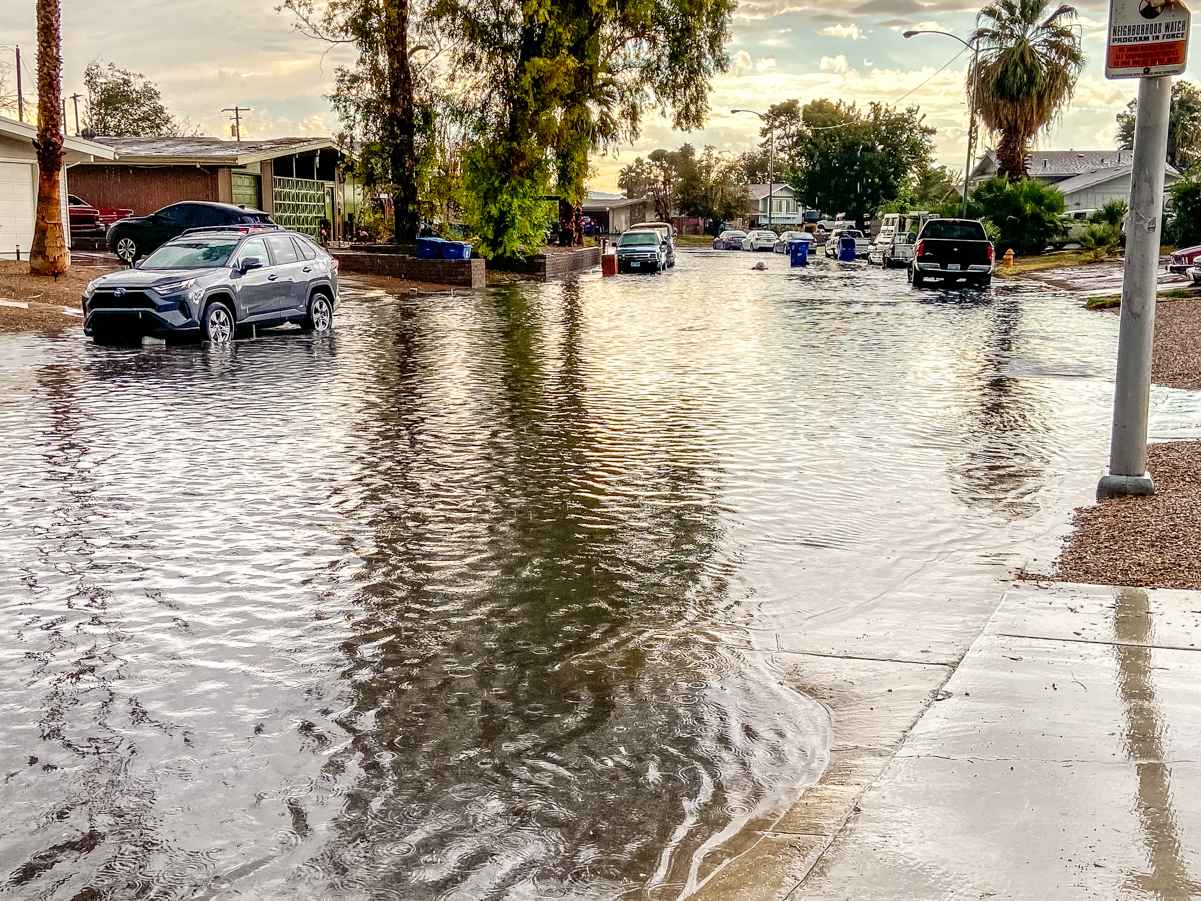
{"x":456,"y":250}
{"x":429,"y":248}
{"x":609,"y":264}
{"x":846,"y":249}
{"x":798,"y":253}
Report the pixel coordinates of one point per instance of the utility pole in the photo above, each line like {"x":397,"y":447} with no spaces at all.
{"x":20,"y":96}
{"x":75,"y":100}
{"x":237,"y":117}
{"x":1132,"y":394}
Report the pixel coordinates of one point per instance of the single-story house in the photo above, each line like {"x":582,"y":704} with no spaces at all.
{"x":1088,"y":179}
{"x":614,"y":213}
{"x":1051,"y":166}
{"x":297,"y":181}
{"x":19,"y":182}
{"x":785,"y":208}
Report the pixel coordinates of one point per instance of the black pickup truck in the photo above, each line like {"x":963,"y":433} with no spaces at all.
{"x":952,"y":250}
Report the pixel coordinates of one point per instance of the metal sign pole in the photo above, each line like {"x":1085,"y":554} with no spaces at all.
{"x":1132,"y":394}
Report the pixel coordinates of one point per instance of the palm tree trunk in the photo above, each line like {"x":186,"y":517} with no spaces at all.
{"x":1011,"y":155}
{"x":49,"y":254}
{"x":401,"y":121}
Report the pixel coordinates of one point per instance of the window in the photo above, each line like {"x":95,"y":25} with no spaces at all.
{"x":176,"y":214}
{"x":282,"y":249}
{"x":304,"y":249}
{"x":207,"y":215}
{"x":193,"y":255}
{"x":639,"y":239}
{"x":255,"y":247}
{"x":954,"y":230}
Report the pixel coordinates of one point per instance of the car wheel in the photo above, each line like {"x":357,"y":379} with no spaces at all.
{"x":126,"y":249}
{"x":218,"y":324}
{"x":320,"y":317}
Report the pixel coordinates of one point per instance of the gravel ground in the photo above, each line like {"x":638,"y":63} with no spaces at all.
{"x":1177,"y":359}
{"x":1148,"y":541}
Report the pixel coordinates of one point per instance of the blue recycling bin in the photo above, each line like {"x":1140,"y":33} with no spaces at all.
{"x":429,"y":248}
{"x":798,"y":253}
{"x":846,"y":249}
{"x":456,"y":250}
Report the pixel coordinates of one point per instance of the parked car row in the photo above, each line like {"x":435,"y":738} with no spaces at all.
{"x":759,"y":239}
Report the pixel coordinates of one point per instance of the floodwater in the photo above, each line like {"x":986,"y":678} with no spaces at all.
{"x":480,"y":596}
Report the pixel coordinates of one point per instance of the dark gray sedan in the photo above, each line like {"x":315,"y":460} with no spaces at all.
{"x":209,"y":282}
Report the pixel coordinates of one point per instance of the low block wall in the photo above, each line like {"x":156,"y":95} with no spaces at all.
{"x":548,"y":266}
{"x":468,"y":273}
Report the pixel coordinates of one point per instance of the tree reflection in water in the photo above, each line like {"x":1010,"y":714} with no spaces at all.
{"x":536,"y":699}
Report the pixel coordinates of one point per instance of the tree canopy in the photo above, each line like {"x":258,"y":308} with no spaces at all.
{"x":707,"y":185}
{"x":122,"y":103}
{"x":1184,"y":126}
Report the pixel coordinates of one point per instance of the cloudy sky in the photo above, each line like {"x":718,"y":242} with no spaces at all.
{"x":214,"y":53}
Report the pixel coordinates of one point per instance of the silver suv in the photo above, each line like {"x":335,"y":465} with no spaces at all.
{"x":210,"y":281}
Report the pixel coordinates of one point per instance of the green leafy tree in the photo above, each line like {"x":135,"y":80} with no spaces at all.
{"x":853,"y":162}
{"x":122,"y":103}
{"x":637,"y":179}
{"x":377,"y":98}
{"x":1113,"y":213}
{"x":1024,"y":74}
{"x":1184,"y":224}
{"x":556,"y":81}
{"x":1026,"y":213}
{"x":1184,"y":126}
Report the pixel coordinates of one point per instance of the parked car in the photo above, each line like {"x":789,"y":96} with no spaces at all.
{"x":106,"y":216}
{"x":667,"y":231}
{"x":760,"y":239}
{"x":1195,"y":275}
{"x":953,"y":250}
{"x":642,"y":250}
{"x":1075,"y":224}
{"x":731,"y":239}
{"x":137,"y":236}
{"x":786,"y":238}
{"x":1183,"y":260}
{"x":861,"y":242}
{"x":209,"y":281}
{"x":882,"y":243}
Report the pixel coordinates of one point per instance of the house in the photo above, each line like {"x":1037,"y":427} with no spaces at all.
{"x":1088,"y":179}
{"x":296,"y":180}
{"x":785,"y":209}
{"x":19,"y":182}
{"x":614,"y":213}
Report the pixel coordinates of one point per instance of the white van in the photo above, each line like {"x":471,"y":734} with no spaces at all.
{"x":900,"y":250}
{"x":883,"y":242}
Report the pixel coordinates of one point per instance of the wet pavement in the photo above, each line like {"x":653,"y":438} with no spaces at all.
{"x":553,"y":590}
{"x":1061,"y":761}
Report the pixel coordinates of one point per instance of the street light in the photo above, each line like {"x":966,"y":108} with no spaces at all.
{"x":771,"y":158}
{"x":973,"y":46}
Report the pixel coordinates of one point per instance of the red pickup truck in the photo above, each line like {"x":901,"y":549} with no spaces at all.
{"x":87,"y":221}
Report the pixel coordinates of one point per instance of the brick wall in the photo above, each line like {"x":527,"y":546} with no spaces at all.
{"x":142,"y":189}
{"x":469,"y":273}
{"x":548,"y":266}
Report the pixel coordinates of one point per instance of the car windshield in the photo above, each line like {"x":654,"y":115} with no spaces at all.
{"x":191,"y":255}
{"x":954,"y":230}
{"x":638,"y":238}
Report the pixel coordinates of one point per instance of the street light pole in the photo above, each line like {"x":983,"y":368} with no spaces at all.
{"x":974,"y":46}
{"x":771,"y":158}
{"x":1136,"y":331}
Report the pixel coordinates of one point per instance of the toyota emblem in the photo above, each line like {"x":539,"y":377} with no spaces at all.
{"x":120,"y":292}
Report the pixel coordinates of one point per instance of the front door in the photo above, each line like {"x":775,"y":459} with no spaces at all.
{"x":256,"y":289}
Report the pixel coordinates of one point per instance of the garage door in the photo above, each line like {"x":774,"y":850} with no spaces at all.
{"x":16,"y":209}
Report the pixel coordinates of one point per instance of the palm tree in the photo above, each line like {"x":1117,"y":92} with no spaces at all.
{"x":1023,"y":74}
{"x":49,"y":255}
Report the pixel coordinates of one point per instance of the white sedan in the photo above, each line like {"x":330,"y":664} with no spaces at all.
{"x":760,"y":239}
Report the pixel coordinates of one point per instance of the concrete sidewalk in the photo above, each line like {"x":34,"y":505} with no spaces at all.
{"x":1062,"y":759}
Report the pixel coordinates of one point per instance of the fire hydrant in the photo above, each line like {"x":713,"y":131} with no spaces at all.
{"x":1008,"y":259}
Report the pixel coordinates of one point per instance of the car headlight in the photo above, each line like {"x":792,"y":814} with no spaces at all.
{"x":175,"y":287}
{"x":90,"y":289}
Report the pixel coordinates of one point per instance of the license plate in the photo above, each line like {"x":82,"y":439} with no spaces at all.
{"x":954,"y":267}
{"x":634,"y":264}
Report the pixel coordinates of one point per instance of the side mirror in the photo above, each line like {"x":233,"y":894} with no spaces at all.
{"x":137,"y":264}
{"x":249,"y":263}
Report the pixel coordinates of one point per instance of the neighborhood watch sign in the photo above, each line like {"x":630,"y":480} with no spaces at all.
{"x":1146,"y":38}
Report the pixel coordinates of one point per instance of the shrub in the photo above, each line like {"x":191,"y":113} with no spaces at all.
{"x":1113,"y":213}
{"x":1184,"y":223}
{"x":1025,"y":212}
{"x":1100,"y":239}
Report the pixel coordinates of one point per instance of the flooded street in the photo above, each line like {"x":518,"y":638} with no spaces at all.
{"x":486,"y":596}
